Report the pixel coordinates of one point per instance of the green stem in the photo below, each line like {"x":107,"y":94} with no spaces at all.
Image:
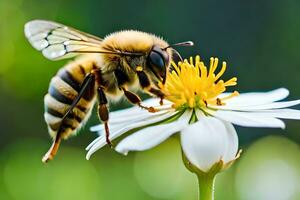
{"x":206,"y":180}
{"x":206,"y":186}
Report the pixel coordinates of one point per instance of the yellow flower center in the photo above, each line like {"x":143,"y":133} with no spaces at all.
{"x":194,"y":85}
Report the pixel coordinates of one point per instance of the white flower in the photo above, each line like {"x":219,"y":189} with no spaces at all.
{"x":197,"y":108}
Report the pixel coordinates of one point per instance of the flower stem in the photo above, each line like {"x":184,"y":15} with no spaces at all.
{"x":206,"y":180}
{"x":206,"y":186}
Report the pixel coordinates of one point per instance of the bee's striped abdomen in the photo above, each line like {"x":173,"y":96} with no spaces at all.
{"x":63,"y":89}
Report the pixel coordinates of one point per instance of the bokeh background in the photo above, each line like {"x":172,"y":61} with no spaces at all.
{"x":260,"y":41}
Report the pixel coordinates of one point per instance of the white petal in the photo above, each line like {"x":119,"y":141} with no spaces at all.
{"x":248,"y":119}
{"x":96,"y":128}
{"x":205,"y":142}
{"x":154,"y":102}
{"x":232,"y":143}
{"x":116,"y":131}
{"x":138,"y":117}
{"x":281,"y":113}
{"x":257,"y":98}
{"x":275,"y":105}
{"x":135,"y":110}
{"x":102,"y":134}
{"x":132,"y":110}
{"x":152,"y":136}
{"x":143,"y":114}
{"x":135,"y":113}
{"x":100,"y":141}
{"x":100,"y":128}
{"x":232,"y":146}
{"x":116,"y":127}
{"x":129,"y":119}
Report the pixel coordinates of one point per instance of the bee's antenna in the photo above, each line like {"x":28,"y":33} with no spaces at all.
{"x":186,"y":44}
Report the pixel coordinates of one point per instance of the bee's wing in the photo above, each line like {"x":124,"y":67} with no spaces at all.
{"x":57,"y":41}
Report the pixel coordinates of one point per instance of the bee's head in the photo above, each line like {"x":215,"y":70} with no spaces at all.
{"x":158,"y":59}
{"x":158,"y":62}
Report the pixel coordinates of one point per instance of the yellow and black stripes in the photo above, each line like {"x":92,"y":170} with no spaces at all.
{"x":69,"y":79}
{"x":70,"y":124}
{"x":63,"y":90}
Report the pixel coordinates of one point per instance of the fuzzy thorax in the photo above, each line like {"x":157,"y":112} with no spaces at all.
{"x":131,"y":41}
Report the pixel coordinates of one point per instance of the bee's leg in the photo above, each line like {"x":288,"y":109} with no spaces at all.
{"x":122,"y":79}
{"x":89,"y":79}
{"x":135,"y":99}
{"x":146,"y":85}
{"x":103,"y":113}
{"x":157,"y":93}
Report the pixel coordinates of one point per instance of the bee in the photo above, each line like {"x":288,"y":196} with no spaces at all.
{"x":106,"y":68}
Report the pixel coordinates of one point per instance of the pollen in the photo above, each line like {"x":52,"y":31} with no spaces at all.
{"x":191,"y":84}
{"x":139,"y":68}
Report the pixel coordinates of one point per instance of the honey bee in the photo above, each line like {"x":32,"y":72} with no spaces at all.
{"x":106,"y":68}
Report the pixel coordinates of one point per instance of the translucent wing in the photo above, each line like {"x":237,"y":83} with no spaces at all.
{"x":57,"y":41}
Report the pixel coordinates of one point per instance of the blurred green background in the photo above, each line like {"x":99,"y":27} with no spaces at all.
{"x":260,"y":41}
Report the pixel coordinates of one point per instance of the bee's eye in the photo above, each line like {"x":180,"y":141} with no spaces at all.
{"x":156,"y":59}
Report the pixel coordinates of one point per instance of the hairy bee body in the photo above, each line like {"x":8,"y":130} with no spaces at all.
{"x":115,"y":70}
